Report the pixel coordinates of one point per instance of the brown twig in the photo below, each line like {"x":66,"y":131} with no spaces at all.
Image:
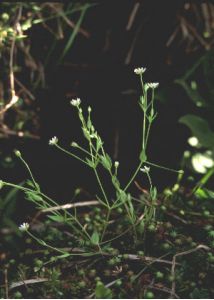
{"x":24,"y":89}
{"x":195,"y":33}
{"x":174,"y":264}
{"x":171,"y":214}
{"x":132,"y":15}
{"x":71,"y":205}
{"x":149,"y":259}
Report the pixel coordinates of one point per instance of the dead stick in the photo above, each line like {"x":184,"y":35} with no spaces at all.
{"x":71,"y":205}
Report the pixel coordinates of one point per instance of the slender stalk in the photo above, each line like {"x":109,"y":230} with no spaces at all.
{"x":97,"y":175}
{"x":51,"y":201}
{"x":29,"y":170}
{"x":101,"y":186}
{"x":133,"y":176}
{"x":164,"y":168}
{"x":43,"y":243}
{"x":106,"y":224}
{"x":71,"y":154}
{"x":147,"y":134}
{"x":203,"y":180}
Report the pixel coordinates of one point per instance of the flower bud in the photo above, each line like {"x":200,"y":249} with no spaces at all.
{"x":17,"y":153}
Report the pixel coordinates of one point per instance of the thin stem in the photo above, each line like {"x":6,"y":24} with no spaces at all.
{"x":51,"y":201}
{"x":31,"y":174}
{"x":43,"y":243}
{"x":71,"y":154}
{"x":67,"y":214}
{"x":83,"y":150}
{"x":106,"y":224}
{"x":97,"y":175}
{"x":164,"y":168}
{"x":133,"y":176}
{"x":204,"y":180}
{"x":18,"y":187}
{"x":147,"y":134}
{"x":142,"y":84}
{"x":150,"y":180}
{"x":101,"y":186}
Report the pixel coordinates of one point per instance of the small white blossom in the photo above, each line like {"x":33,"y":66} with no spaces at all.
{"x":153,"y":85}
{"x":145,"y":169}
{"x":193,"y":141}
{"x":74,"y":144}
{"x":53,"y":141}
{"x":139,"y":71}
{"x":24,"y":227}
{"x":75,"y":102}
{"x":116,"y":164}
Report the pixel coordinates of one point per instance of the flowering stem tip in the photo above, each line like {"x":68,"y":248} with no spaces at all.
{"x":53,"y":141}
{"x":24,"y":227}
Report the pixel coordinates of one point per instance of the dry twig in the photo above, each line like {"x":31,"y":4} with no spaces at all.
{"x":71,"y":205}
{"x":26,"y":282}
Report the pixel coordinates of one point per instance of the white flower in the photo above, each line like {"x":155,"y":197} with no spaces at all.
{"x":74,"y":144}
{"x":193,"y":141}
{"x":201,"y":162}
{"x":145,"y":169}
{"x":116,"y":164}
{"x":153,"y":85}
{"x":53,"y":141}
{"x":139,"y":71}
{"x":24,"y":227}
{"x":75,"y":102}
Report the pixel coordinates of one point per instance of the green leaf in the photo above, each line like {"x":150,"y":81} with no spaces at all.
{"x":31,"y":184}
{"x":99,"y":143}
{"x":115,"y":182}
{"x":90,"y":162}
{"x":95,"y":238}
{"x":89,"y":124}
{"x":141,"y":227}
{"x":86,"y":133}
{"x":102,"y":292}
{"x":204,"y":193}
{"x":153,"y":193}
{"x":106,"y":162}
{"x":57,"y":218}
{"x":74,"y":32}
{"x":143,"y":156}
{"x":33,"y":196}
{"x":200,"y":129}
